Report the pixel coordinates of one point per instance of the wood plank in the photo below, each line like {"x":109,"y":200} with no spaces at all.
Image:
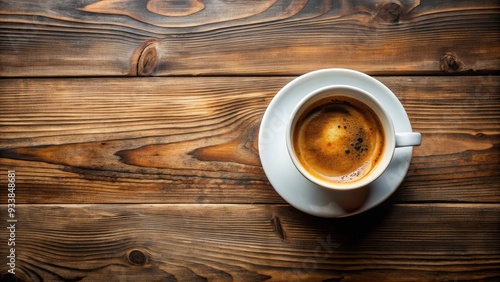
{"x":254,"y":243}
{"x":213,"y":37}
{"x":194,"y":140}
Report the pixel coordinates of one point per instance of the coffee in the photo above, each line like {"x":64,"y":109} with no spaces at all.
{"x":338,"y":139}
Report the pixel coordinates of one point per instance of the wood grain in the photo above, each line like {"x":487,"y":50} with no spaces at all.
{"x":215,"y":37}
{"x":194,"y":140}
{"x":121,"y":178}
{"x":240,"y":243}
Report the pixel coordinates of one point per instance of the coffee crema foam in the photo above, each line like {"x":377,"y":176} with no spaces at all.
{"x":339,"y":139}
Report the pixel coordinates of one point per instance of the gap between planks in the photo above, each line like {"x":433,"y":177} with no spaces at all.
{"x":409,"y":204}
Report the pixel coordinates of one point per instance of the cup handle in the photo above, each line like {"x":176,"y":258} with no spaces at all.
{"x":406,"y":139}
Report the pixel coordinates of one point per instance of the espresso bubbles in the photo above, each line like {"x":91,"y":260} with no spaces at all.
{"x":339,"y":139}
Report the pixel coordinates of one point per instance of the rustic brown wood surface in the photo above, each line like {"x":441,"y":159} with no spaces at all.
{"x":194,"y":140}
{"x":215,"y":37}
{"x":256,"y":242}
{"x":128,"y":178}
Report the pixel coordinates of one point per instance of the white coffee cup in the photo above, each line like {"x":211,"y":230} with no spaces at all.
{"x":392,"y":139}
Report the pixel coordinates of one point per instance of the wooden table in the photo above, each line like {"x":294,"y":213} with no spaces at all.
{"x":132,"y":127}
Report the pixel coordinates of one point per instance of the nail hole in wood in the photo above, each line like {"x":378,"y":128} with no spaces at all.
{"x":137,"y":257}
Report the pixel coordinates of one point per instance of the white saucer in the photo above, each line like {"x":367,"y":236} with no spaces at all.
{"x":295,"y":188}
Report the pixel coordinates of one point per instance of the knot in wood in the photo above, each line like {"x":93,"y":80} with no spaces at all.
{"x":450,"y":63}
{"x":391,"y":12}
{"x":148,"y":60}
{"x":137,"y":257}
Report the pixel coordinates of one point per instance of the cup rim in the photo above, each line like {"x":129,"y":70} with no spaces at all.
{"x":389,"y":144}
